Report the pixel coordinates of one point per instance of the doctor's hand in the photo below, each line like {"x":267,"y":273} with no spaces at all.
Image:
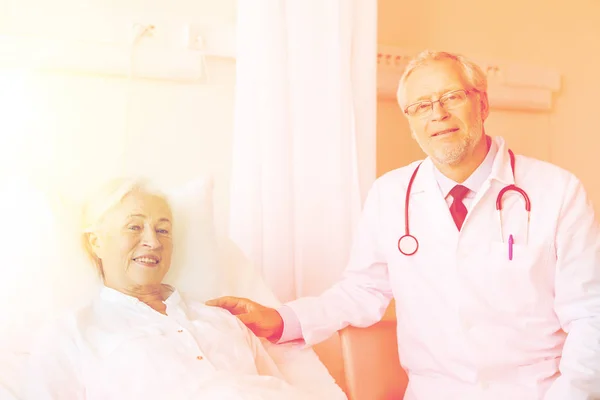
{"x":263,"y":321}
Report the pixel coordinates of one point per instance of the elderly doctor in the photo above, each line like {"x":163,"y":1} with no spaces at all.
{"x":487,"y":307}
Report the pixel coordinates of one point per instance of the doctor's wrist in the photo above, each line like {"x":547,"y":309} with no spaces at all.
{"x":277,"y":326}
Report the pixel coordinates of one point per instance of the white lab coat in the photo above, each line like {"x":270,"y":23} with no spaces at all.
{"x":471,"y":323}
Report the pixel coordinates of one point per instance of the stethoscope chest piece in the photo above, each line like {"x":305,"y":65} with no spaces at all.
{"x":408,"y":245}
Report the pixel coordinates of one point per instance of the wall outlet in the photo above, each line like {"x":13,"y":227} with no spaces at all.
{"x":193,"y":38}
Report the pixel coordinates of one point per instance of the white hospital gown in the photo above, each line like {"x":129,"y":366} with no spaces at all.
{"x":119,"y":348}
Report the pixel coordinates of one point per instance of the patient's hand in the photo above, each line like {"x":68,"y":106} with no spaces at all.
{"x":263,"y":321}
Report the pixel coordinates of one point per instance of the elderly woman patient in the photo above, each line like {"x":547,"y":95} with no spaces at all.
{"x":140,"y":338}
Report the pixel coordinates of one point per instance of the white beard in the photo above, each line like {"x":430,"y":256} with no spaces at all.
{"x":452,"y":155}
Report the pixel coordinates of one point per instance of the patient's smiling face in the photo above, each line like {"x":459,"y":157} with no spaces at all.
{"x":135,"y":243}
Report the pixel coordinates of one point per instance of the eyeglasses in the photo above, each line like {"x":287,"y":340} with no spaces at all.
{"x":450,"y":100}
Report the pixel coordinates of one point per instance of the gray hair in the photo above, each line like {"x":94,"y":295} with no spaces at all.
{"x":105,"y":199}
{"x":473,"y":73}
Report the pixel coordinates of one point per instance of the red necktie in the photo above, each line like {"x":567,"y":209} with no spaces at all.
{"x":457,"y":208}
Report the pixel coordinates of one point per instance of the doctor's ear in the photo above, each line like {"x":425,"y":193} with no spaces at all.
{"x":485,"y":105}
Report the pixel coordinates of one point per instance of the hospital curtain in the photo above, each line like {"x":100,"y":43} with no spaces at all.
{"x":304,"y":121}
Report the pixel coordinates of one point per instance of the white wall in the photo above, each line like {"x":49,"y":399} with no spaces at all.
{"x":68,"y":132}
{"x":556,"y":34}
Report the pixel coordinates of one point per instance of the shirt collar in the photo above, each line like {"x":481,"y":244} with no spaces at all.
{"x":475,"y":180}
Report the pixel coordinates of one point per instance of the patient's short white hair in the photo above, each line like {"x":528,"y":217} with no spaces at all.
{"x":105,"y":199}
{"x":472,"y":72}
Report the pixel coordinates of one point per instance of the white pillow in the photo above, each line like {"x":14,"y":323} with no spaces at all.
{"x":195,"y":267}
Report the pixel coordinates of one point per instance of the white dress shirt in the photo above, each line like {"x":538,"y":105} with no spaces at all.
{"x":120,"y":348}
{"x":474,"y":182}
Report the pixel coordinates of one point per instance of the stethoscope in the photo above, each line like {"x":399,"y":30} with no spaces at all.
{"x":408,"y":244}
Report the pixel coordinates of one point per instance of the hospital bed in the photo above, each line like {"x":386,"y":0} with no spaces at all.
{"x":363,"y":362}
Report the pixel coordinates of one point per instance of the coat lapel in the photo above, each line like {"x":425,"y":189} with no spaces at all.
{"x":428,"y":212}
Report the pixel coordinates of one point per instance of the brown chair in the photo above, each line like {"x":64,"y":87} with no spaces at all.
{"x":371,"y":363}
